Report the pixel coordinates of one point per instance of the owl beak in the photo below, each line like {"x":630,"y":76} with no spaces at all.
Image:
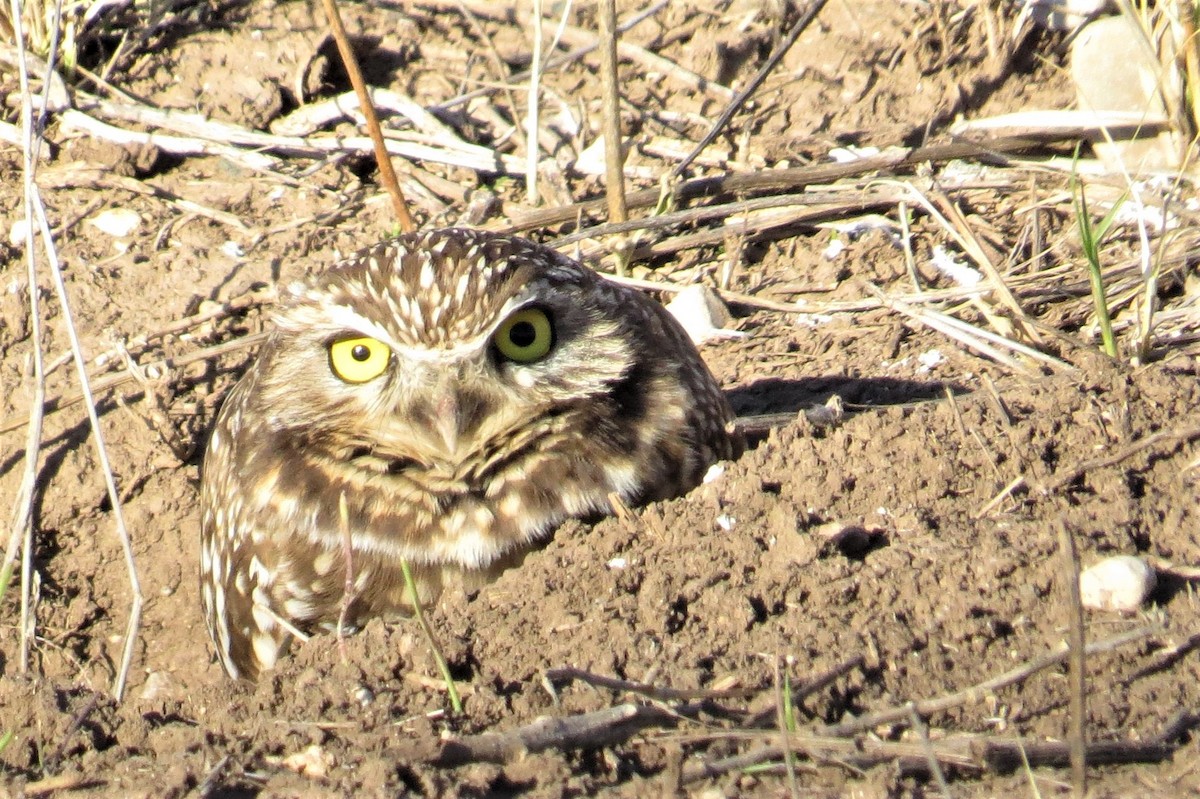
{"x":446,"y":420}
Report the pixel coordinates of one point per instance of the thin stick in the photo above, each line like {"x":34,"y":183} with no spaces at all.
{"x":1172,"y":438}
{"x":531,"y":118}
{"x":387,"y":175}
{"x":1077,"y":678}
{"x":766,"y":180}
{"x":812,"y":684}
{"x":566,"y":674}
{"x":586,"y":730}
{"x":22,"y":519}
{"x":107,"y":382}
{"x":36,"y":210}
{"x":1005,"y":492}
{"x":935,"y":768}
{"x":135,"y":608}
{"x":419,"y":613}
{"x":614,"y":156}
{"x":349,"y":590}
{"x":553,"y":62}
{"x":975,"y":693}
{"x":50,"y":764}
{"x":497,"y":66}
{"x":751,"y":87}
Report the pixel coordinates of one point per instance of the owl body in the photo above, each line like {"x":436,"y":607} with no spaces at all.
{"x":444,"y":399}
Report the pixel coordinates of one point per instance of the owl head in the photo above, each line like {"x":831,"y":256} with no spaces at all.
{"x":435,"y":348}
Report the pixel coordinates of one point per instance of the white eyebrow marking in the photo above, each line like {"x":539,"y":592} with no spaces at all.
{"x":347,"y":318}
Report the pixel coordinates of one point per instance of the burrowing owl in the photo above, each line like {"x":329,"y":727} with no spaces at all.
{"x":464,"y":393}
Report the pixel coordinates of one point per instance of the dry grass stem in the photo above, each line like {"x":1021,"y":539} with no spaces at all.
{"x":1077,"y":664}
{"x":35,"y":217}
{"x":976,"y":693}
{"x":935,"y":768}
{"x":387,"y":174}
{"x":534,"y":106}
{"x":737,"y":101}
{"x":614,"y":154}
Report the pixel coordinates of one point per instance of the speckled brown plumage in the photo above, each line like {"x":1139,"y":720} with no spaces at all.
{"x":455,"y":457}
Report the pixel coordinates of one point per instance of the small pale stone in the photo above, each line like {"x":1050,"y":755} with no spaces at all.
{"x":157,"y":686}
{"x":1115,"y":69}
{"x":701,"y":312}
{"x":715,"y":472}
{"x":1120,"y":583}
{"x":312,"y":762}
{"x":364,"y":695}
{"x":17,"y":233}
{"x":835,"y":248}
{"x":116,"y":222}
{"x":929,"y":360}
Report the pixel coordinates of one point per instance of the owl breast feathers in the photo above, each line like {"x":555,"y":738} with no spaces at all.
{"x":446,"y":399}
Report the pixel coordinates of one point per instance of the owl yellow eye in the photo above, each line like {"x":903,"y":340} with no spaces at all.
{"x":357,"y":360}
{"x":526,"y":336}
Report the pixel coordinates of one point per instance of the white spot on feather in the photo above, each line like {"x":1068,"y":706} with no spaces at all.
{"x":265,"y":650}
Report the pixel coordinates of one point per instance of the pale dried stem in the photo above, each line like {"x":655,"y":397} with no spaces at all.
{"x":21,"y":533}
{"x":738,"y":100}
{"x":977,"y":692}
{"x":614,"y":155}
{"x":1077,"y":663}
{"x":534,"y":100}
{"x":36,"y":212}
{"x":976,"y":338}
{"x":587,"y":41}
{"x":935,"y":768}
{"x":135,"y":609}
{"x":387,"y":175}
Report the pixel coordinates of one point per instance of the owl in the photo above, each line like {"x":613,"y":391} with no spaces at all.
{"x":445,"y":399}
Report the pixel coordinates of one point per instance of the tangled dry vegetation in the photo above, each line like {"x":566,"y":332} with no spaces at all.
{"x":813,"y":187}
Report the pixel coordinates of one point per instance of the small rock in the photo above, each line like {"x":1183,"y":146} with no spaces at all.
{"x":156,"y":687}
{"x":1115,"y":69}
{"x":17,"y":233}
{"x":702,"y":313}
{"x":1120,"y":583}
{"x":364,"y":695}
{"x":116,"y":222}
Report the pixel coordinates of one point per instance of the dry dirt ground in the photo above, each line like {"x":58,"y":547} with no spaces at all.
{"x":871,"y":547}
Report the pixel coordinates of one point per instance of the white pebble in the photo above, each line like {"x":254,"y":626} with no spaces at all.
{"x":1120,"y":583}
{"x":929,"y":359}
{"x":17,"y":233}
{"x":702,"y":314}
{"x":116,"y":222}
{"x":835,"y":248}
